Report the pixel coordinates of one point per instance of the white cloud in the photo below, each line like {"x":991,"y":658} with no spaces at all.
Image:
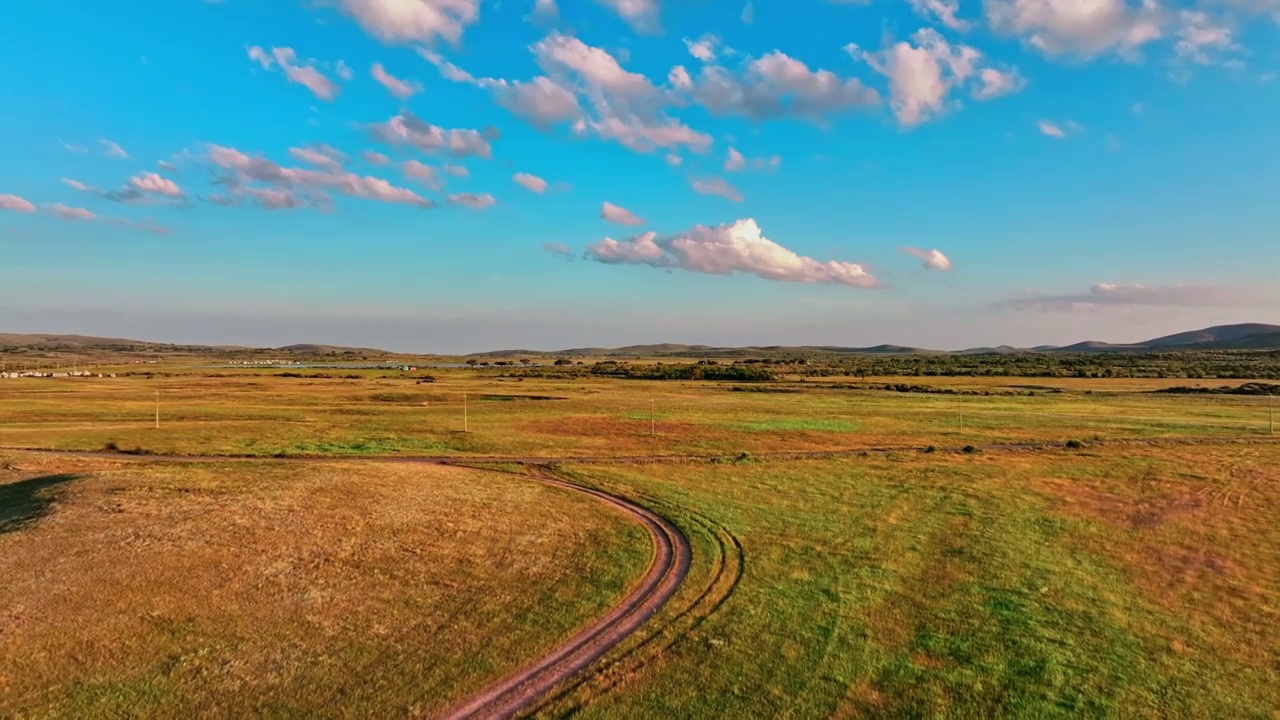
{"x":641,"y":15}
{"x":344,"y":70}
{"x":679,"y":78}
{"x":932,"y":259}
{"x":408,"y":129}
{"x":738,"y":247}
{"x":320,"y":156}
{"x":1059,"y":131}
{"x":70,"y":213}
{"x":748,"y":13}
{"x":779,"y":86}
{"x":530,"y":182}
{"x":618,"y":214}
{"x":735,"y":162}
{"x":74,"y":149}
{"x":560,"y":249}
{"x":457,"y":171}
{"x":717,"y":186}
{"x":546,"y":10}
{"x":1105,"y":295}
{"x":397,"y":87}
{"x":704,"y":48}
{"x":375,"y":158}
{"x":16,"y":204}
{"x":944,"y":11}
{"x":475,"y":202}
{"x":169,"y":167}
{"x":541,"y":101}
{"x":922,"y":76}
{"x":1201,"y":39}
{"x":154,"y":183}
{"x":112,"y":150}
{"x":674,"y":160}
{"x":427,"y":175}
{"x":304,"y":74}
{"x":410,"y":21}
{"x":1076,"y":28}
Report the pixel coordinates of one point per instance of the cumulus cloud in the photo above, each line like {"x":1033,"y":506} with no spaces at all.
{"x":475,"y":202}
{"x":618,"y":214}
{"x":410,"y":21}
{"x":304,"y":74}
{"x":944,"y":11}
{"x":922,"y":76}
{"x":737,"y":247}
{"x":932,"y":259}
{"x":400,"y":88}
{"x":344,"y":70}
{"x":321,"y":155}
{"x":155,"y":184}
{"x":16,"y":204}
{"x":530,"y":182}
{"x":778,"y":86}
{"x":1081,"y":29}
{"x":737,"y":162}
{"x":641,"y":15}
{"x":407,"y":129}
{"x":425,"y":174}
{"x":704,"y":48}
{"x":1104,"y":295}
{"x":304,"y":186}
{"x":70,"y":213}
{"x":674,"y":160}
{"x":559,"y":249}
{"x":375,"y":158}
{"x":588,"y":88}
{"x":112,"y":149}
{"x":717,"y":186}
{"x":457,"y":171}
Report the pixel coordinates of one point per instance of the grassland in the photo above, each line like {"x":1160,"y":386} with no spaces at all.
{"x":260,"y":413}
{"x":1123,"y":583}
{"x":1116,"y":580}
{"x":253,"y":589}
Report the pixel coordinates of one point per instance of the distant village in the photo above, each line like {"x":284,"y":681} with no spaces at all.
{"x":54,"y":374}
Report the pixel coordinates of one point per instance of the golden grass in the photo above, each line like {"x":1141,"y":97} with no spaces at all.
{"x":256,"y":589}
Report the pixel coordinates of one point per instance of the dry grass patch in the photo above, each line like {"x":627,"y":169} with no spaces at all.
{"x":259,"y":589}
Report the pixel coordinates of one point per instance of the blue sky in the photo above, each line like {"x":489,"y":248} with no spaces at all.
{"x":432,"y":175}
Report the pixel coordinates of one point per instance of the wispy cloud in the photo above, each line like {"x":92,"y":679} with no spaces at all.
{"x":559,"y":249}
{"x":473,"y":201}
{"x":641,"y":15}
{"x":738,"y":247}
{"x":16,"y":204}
{"x":407,"y":129}
{"x":1104,"y":295}
{"x":305,"y":73}
{"x":302,"y":186}
{"x":717,"y":186}
{"x":411,"y":21}
{"x":112,"y":149}
{"x":400,"y":88}
{"x":530,"y":182}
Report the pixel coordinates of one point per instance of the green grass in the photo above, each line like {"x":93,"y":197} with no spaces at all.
{"x":1015,"y":585}
{"x":799,"y":425}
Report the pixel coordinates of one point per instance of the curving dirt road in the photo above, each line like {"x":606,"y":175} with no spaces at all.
{"x":672,"y":556}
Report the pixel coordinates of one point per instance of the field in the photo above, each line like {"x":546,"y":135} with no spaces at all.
{"x":848,"y":558}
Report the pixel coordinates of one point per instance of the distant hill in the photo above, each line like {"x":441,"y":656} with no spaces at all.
{"x":1245,"y":336}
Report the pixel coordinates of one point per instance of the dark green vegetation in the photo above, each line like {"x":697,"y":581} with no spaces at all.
{"x":1268,"y":389}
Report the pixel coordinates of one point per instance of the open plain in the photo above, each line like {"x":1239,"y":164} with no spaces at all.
{"x":378,"y":542}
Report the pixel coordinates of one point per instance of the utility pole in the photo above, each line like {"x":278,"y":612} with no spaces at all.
{"x":960,"y":413}
{"x":465,"y":427}
{"x":653,"y":418}
{"x":1271,"y":415}
{"x":157,"y":409}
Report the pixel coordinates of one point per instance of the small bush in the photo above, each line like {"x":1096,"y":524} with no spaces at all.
{"x":111,"y":447}
{"x":931,"y":449}
{"x":970,"y":449}
{"x":1074,"y":444}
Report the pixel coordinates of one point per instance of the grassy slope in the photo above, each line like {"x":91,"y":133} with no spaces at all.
{"x":262,"y":590}
{"x":1140,"y":583}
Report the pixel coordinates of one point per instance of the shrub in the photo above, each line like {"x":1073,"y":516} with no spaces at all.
{"x":931,"y":449}
{"x":1074,"y":444}
{"x":970,"y":449}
